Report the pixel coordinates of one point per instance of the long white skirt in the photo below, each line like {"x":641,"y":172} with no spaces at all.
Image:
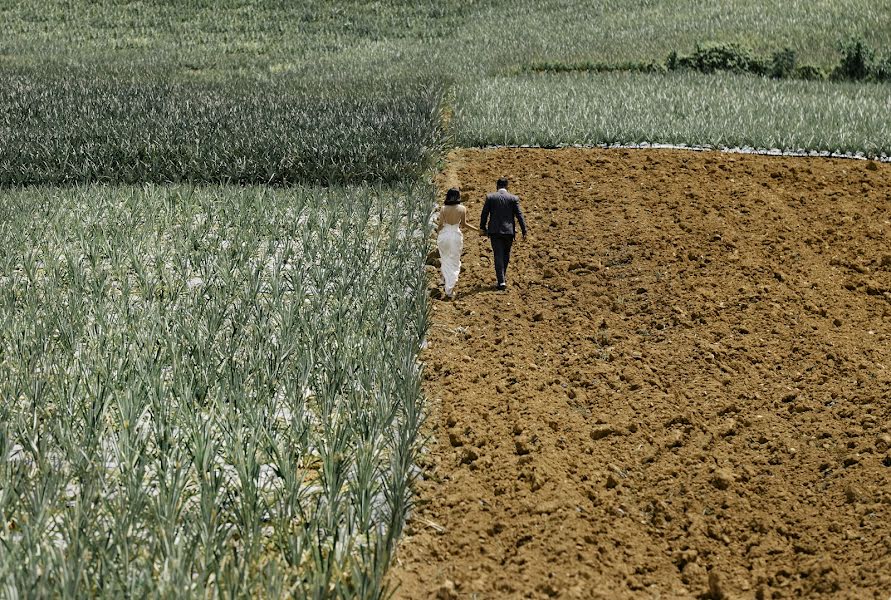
{"x":450,"y":243}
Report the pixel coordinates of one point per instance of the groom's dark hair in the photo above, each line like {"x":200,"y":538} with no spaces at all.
{"x":502,"y":183}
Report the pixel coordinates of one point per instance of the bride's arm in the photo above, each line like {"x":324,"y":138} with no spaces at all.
{"x":464,"y":224}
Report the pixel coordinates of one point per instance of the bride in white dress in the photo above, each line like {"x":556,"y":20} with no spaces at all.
{"x":452,"y":218}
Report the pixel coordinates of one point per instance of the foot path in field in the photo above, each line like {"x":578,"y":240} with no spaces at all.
{"x":685,"y":392}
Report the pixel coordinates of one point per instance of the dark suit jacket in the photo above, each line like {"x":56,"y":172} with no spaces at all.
{"x":499,"y":212}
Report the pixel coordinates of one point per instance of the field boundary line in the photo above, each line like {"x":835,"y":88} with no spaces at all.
{"x":883,"y":158}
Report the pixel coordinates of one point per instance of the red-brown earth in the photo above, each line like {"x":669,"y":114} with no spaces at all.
{"x":684,"y":393}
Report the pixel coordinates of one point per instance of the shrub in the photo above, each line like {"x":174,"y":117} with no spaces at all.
{"x":673,"y":61}
{"x":856,"y":60}
{"x":882,"y":69}
{"x":708,"y":58}
{"x":782,"y":64}
{"x":810,"y":73}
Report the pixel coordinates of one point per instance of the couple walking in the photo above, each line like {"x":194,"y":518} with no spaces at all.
{"x":497,"y":221}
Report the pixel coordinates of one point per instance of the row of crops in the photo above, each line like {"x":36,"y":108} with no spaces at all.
{"x":79,"y":125}
{"x":719,"y":110}
{"x":210,"y":388}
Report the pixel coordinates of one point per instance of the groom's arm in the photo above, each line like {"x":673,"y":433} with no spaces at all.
{"x":484,"y":217}
{"x":519,"y":214}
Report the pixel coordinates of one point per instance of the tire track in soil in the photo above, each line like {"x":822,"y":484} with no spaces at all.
{"x":685,"y":392}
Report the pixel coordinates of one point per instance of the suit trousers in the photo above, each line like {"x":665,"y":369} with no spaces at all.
{"x":501,"y":245}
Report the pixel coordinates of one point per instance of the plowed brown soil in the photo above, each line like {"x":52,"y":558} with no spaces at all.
{"x":685,"y":392}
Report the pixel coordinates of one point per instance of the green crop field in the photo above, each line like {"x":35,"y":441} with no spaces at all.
{"x":269,"y":36}
{"x":69,"y":128}
{"x":328,"y":92}
{"x":213,"y":218}
{"x":724,"y":110}
{"x":213,"y":387}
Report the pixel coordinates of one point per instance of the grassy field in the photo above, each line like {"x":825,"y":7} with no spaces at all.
{"x":212,"y":385}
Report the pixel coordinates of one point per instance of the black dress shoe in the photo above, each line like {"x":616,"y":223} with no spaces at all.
{"x":502,"y":286}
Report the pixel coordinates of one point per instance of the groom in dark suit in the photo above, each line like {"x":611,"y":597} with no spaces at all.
{"x":497,"y":221}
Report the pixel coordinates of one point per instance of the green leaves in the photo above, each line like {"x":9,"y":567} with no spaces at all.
{"x":214,"y":396}
{"x":719,"y":109}
{"x":81,"y":126}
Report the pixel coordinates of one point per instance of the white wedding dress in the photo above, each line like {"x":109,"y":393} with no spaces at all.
{"x":450,"y":242}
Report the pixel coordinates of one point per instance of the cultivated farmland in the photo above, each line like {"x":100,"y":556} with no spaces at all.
{"x":208,"y":389}
{"x":330,"y":92}
{"x":684,"y":393}
{"x":213,"y":223}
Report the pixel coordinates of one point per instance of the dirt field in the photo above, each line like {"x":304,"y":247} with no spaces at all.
{"x":685,"y":392}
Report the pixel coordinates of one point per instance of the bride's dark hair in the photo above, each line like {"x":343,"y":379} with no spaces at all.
{"x":453,"y":196}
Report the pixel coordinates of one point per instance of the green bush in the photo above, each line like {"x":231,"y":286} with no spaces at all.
{"x":711,"y":57}
{"x":882,"y":69}
{"x":673,"y":62}
{"x":856,"y":61}
{"x":783,"y":63}
{"x":810,"y":73}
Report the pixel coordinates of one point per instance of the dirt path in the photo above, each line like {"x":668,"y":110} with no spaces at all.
{"x":686,"y":391}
